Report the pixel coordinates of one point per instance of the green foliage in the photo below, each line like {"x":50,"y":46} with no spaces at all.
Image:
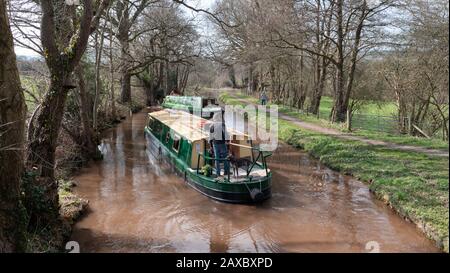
{"x":43,"y":236}
{"x":35,"y":88}
{"x":206,"y":170}
{"x":37,"y":237}
{"x":146,"y":76}
{"x":135,"y":106}
{"x":64,"y":186}
{"x":33,"y":194}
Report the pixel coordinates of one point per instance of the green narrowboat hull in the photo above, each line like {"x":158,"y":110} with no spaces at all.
{"x":251,"y":191}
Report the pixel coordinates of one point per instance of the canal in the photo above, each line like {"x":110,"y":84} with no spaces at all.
{"x":137,"y":204}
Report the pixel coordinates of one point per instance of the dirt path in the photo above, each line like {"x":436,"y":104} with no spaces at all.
{"x":339,"y":134}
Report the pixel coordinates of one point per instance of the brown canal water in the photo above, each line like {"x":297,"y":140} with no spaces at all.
{"x":138,"y":204}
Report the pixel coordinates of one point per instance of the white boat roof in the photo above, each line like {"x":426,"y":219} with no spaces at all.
{"x":189,"y":126}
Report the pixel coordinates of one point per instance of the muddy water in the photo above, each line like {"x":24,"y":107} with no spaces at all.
{"x":138,"y":205}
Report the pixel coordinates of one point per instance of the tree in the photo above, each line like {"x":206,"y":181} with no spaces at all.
{"x":416,"y":72}
{"x":163,"y":54}
{"x":349,"y":36}
{"x":65,"y":31}
{"x":323,"y":16}
{"x":329,"y":36}
{"x":12,"y":125}
{"x":127,"y":13}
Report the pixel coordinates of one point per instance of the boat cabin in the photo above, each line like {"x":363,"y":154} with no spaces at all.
{"x":187,"y":135}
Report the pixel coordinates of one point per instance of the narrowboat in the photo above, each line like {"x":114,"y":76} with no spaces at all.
{"x":204,"y":107}
{"x":181,"y":139}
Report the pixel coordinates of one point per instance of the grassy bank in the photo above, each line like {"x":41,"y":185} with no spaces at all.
{"x":325,"y":108}
{"x":52,"y":237}
{"x":413,"y":184}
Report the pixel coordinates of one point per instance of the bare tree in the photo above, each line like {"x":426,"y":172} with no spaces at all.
{"x":126,"y":14}
{"x":416,"y":72}
{"x":322,"y":33}
{"x":64,"y":38}
{"x":162,"y":56}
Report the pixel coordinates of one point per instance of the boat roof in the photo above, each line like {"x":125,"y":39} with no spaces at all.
{"x":194,"y":101}
{"x":189,"y":126}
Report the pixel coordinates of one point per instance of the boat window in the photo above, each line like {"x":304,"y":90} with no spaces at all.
{"x":150,"y":122}
{"x":167,"y":137}
{"x":176,"y":143}
{"x":154,"y":125}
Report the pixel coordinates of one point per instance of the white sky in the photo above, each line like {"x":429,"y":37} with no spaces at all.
{"x":20,"y":51}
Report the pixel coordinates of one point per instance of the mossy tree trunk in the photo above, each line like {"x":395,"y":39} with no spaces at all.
{"x":125,"y":75}
{"x":123,"y":36}
{"x":12,"y":124}
{"x":63,"y":49}
{"x":87,"y":138}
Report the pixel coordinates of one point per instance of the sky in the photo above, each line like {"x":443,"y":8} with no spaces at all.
{"x":20,"y":51}
{"x":203,"y":4}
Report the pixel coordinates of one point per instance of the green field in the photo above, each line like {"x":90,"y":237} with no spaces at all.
{"x":32,"y":87}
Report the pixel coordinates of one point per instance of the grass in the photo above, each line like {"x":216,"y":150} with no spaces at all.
{"x":49,"y":236}
{"x":32,"y":86}
{"x":374,"y":108}
{"x":414,"y":184}
{"x":433,"y":143}
{"x":71,"y":205}
{"x":371,"y":125}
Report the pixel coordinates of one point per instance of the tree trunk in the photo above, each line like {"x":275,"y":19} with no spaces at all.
{"x":354,"y":55}
{"x":161,"y":77}
{"x":125,"y":76}
{"x":316,"y":96}
{"x":232,"y":76}
{"x":111,"y":73}
{"x":250,"y":80}
{"x":166,"y":76}
{"x":88,"y":140}
{"x":123,"y":37}
{"x":42,"y":146}
{"x":318,"y":92}
{"x":98,"y":59}
{"x":12,"y":124}
{"x":302,"y":96}
{"x":184,"y":80}
{"x":149,"y":93}
{"x":345,"y":83}
{"x":339,"y":107}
